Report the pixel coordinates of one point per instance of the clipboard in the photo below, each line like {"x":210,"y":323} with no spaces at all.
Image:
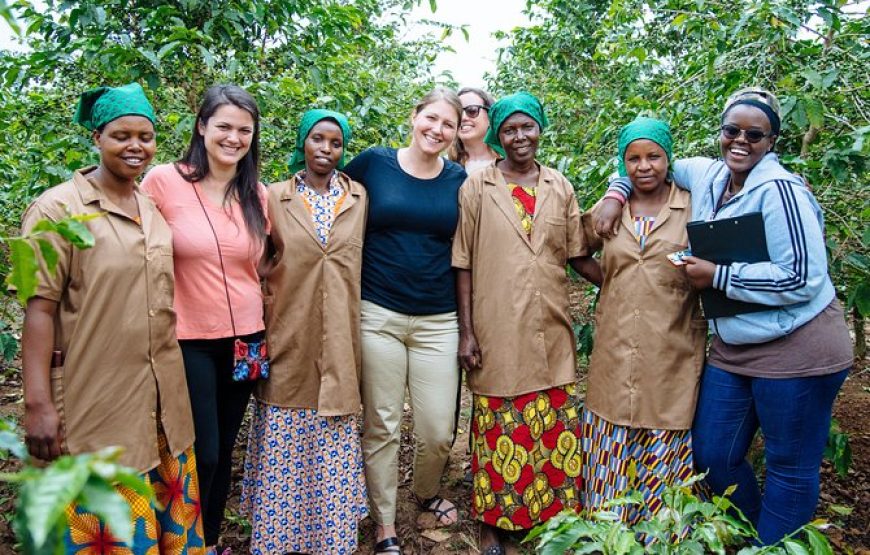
{"x":738,"y":239}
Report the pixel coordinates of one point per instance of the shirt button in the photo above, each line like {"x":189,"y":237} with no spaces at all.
{"x":640,"y":261}
{"x":152,"y":360}
{"x":537,"y":293}
{"x":534,"y":258}
{"x":148,"y":257}
{"x":154,"y":414}
{"x":636,"y":312}
{"x":325,"y":294}
{"x":150,"y":313}
{"x":540,"y":335}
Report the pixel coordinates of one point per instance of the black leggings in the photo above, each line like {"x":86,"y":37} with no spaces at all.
{"x":218,"y":405}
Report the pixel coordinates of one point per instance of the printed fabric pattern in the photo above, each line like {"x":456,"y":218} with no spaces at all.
{"x":303,"y":489}
{"x":617,"y":459}
{"x":524,"y":203}
{"x":323,"y":208}
{"x":526,"y":458}
{"x":643,"y":226}
{"x":169,"y":525}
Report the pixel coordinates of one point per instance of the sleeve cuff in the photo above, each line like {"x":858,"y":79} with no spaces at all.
{"x":721,"y":277}
{"x":619,"y":186}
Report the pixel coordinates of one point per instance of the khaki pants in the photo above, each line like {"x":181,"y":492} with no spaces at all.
{"x":417,"y":352}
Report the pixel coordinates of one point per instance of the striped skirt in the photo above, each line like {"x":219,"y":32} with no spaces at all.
{"x":618,"y":459}
{"x":525,"y":457}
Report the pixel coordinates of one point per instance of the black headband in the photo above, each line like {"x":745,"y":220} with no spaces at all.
{"x":768,"y":111}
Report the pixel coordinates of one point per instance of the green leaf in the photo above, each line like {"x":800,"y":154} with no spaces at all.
{"x":49,"y":255}
{"x":9,"y":346}
{"x":207,"y":56}
{"x":433,"y":5}
{"x":795,"y":547}
{"x":76,"y":232}
{"x":819,"y":544}
{"x":679,"y":20}
{"x":24,"y":269}
{"x":862,"y":298}
{"x":43,"y":501}
{"x":841,"y":510}
{"x":815,"y":112}
{"x":100,"y":498}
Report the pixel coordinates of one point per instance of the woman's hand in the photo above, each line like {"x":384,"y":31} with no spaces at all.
{"x":606,"y":218}
{"x":700,"y":272}
{"x":42,"y":431}
{"x":469,"y":352}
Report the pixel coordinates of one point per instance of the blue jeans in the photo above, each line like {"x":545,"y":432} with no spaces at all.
{"x":794,"y":415}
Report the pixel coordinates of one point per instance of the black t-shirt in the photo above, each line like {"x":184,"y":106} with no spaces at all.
{"x":409,"y":233}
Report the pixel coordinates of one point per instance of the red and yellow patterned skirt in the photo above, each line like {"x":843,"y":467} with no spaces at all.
{"x":526,"y":457}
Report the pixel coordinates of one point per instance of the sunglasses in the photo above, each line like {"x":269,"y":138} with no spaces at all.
{"x":473,"y":110}
{"x":730,"y":131}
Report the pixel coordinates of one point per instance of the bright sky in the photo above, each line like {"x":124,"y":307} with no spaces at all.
{"x":476,"y":56}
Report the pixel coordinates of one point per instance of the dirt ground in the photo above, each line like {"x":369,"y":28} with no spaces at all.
{"x":845,"y":502}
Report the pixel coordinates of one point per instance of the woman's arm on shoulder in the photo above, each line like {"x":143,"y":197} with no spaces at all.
{"x":358,"y":166}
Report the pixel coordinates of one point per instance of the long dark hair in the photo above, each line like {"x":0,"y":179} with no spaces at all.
{"x":245,"y":185}
{"x":457,"y":151}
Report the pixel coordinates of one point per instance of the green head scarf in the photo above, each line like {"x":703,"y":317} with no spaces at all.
{"x":99,"y":106}
{"x":506,"y":107}
{"x":309,"y":120}
{"x":655,"y":130}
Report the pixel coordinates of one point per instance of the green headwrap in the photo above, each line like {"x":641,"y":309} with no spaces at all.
{"x":506,"y":107}
{"x":309,"y":120}
{"x":99,"y":106}
{"x":655,"y":130}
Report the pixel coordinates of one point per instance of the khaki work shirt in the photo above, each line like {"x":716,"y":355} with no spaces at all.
{"x":115,"y":327}
{"x":520,"y":285}
{"x":313,"y":304}
{"x":650,"y":337}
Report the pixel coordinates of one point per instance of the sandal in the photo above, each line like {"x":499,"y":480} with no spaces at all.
{"x":434,"y":505}
{"x":388,"y":545}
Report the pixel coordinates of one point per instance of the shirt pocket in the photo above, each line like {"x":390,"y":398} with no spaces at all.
{"x":670,"y":276}
{"x":162,"y":268}
{"x":556,"y":243}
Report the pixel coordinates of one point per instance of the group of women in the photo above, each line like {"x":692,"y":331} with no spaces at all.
{"x":348,"y":286}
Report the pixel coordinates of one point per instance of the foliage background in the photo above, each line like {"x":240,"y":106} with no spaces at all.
{"x":596,"y":64}
{"x":599,"y":63}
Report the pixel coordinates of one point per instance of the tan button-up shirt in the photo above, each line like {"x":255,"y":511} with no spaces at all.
{"x":116,"y":328}
{"x":520,"y":285}
{"x":313,"y":304}
{"x":649,"y":338}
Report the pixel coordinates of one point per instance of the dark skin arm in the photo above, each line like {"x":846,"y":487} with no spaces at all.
{"x":589,"y":268}
{"x":469,"y":351}
{"x":700,"y":272}
{"x":42,"y":425}
{"x":607,"y":217}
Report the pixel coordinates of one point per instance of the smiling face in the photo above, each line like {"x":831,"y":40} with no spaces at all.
{"x":323,"y":147}
{"x":473,"y":129}
{"x":434,"y":127}
{"x":127,"y":146}
{"x":227,"y":136}
{"x":739,"y":154}
{"x":519,"y":136}
{"x":646,"y":164}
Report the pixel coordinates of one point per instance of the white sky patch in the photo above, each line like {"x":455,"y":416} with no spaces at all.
{"x":472,"y":58}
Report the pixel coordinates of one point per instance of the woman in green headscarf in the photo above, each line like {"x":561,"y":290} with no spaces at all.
{"x":304,"y":429}
{"x":101,"y":368}
{"x":649,"y":339}
{"x":519,"y":225}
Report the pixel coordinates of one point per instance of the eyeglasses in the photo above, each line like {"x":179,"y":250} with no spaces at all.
{"x":730,"y":131}
{"x":473,"y":110}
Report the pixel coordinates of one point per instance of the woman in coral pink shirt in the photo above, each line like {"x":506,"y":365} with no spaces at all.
{"x":215,"y":206}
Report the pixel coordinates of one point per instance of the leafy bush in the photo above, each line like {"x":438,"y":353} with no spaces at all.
{"x":686,"y":524}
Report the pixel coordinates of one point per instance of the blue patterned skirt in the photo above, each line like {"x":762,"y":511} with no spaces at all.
{"x":304,"y":488}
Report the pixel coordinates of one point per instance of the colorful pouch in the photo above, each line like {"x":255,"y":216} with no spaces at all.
{"x":251,"y":360}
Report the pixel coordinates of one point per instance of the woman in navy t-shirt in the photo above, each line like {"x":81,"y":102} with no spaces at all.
{"x":409,"y":328}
